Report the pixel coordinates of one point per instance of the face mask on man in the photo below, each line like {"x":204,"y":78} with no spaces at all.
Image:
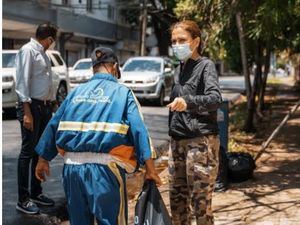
{"x":52,"y":45}
{"x":182,"y":51}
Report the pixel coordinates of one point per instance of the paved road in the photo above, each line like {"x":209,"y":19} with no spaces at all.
{"x":156,"y":119}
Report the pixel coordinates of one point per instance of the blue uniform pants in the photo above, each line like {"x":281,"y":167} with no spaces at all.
{"x":95,"y":191}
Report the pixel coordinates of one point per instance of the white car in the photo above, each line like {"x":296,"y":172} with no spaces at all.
{"x":149,"y":77}
{"x":81,"y":72}
{"x":59,"y":71}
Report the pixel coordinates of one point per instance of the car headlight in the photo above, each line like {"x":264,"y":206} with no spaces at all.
{"x":7,"y":79}
{"x":151,"y":80}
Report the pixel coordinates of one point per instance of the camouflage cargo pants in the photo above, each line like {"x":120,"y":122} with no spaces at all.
{"x":193,"y":168}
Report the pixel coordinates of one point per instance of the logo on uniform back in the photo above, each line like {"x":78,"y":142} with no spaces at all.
{"x":93,"y":97}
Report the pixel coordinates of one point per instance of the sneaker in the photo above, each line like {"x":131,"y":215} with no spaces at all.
{"x":28,"y":207}
{"x":42,"y":200}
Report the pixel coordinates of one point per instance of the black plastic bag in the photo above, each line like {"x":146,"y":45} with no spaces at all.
{"x":240,"y":166}
{"x":150,"y":208}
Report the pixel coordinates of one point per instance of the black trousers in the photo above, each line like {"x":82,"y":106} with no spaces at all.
{"x":28,"y":158}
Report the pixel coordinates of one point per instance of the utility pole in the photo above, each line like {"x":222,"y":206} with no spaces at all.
{"x":144,"y":27}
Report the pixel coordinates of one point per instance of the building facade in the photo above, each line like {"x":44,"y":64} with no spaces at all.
{"x":83,"y":25}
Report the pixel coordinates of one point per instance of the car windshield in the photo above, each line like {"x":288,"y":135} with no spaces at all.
{"x":8,"y":60}
{"x":142,"y":66}
{"x":83,"y":66}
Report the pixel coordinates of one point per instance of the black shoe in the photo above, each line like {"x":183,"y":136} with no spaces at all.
{"x":28,"y":207}
{"x":43,"y":200}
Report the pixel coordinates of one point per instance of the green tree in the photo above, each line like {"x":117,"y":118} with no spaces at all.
{"x":248,"y":31}
{"x":162,"y":17}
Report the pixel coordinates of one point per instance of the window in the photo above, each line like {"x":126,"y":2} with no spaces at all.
{"x":65,"y":2}
{"x":83,"y":66}
{"x":89,"y":5}
{"x":140,"y":65}
{"x":8,"y":60}
{"x":110,"y":12}
{"x":58,"y":59}
{"x":79,"y":1}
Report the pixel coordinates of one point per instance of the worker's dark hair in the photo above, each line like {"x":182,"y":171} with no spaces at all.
{"x":46,"y":30}
{"x":97,"y":67}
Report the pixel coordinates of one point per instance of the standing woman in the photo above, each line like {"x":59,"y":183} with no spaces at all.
{"x":194,"y":152}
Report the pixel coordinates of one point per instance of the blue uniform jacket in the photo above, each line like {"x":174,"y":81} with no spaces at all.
{"x":99,"y":116}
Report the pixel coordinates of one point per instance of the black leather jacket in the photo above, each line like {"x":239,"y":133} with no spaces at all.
{"x":197,"y":83}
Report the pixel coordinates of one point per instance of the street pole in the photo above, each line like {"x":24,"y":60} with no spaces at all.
{"x":144,"y":27}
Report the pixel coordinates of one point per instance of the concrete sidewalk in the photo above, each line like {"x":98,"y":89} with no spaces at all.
{"x":273,"y":197}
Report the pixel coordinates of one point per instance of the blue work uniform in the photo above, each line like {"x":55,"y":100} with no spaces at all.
{"x":100,"y":125}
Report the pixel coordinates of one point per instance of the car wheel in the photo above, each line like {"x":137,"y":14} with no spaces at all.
{"x":61,"y":93}
{"x":160,"y":100}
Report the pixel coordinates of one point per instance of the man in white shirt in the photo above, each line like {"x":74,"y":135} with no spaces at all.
{"x":34,"y":110}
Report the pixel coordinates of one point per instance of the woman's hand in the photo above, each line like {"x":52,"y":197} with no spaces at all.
{"x":178,"y":104}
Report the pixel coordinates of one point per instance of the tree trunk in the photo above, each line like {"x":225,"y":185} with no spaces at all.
{"x":161,"y":23}
{"x":162,"y":34}
{"x":250,"y":100}
{"x":261,"y":98}
{"x":258,"y":73}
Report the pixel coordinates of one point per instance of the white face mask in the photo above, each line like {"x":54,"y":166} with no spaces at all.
{"x":182,"y":51}
{"x":52,"y":46}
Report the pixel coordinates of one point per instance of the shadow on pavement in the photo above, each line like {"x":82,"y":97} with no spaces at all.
{"x":274,"y":190}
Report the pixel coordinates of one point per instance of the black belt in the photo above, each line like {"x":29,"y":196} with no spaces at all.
{"x":42,"y":102}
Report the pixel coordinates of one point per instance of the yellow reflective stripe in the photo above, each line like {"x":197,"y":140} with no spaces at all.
{"x":153,"y":152}
{"x":121,"y":217}
{"x":93,"y":126}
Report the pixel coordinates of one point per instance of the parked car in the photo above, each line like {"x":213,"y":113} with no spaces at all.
{"x":81,"y":72}
{"x":59,"y":73}
{"x":149,"y":77}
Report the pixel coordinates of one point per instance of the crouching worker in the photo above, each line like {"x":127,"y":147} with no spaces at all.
{"x":100,"y":133}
